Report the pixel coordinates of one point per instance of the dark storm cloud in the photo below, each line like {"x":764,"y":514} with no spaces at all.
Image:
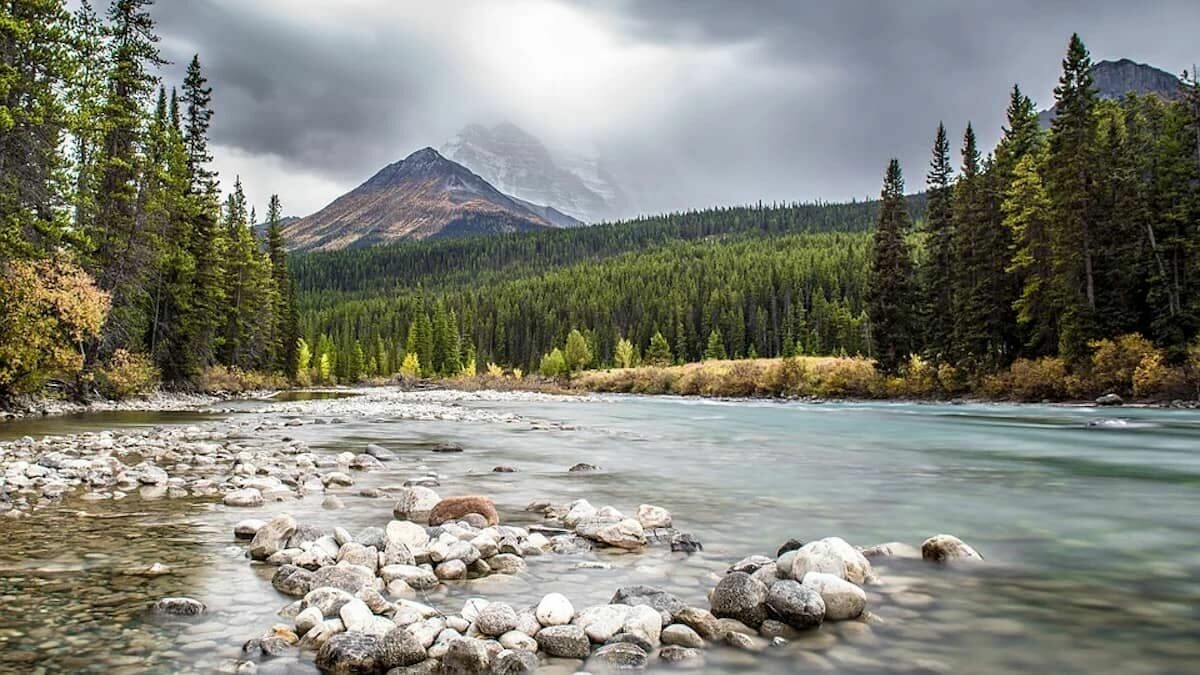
{"x":818,"y":95}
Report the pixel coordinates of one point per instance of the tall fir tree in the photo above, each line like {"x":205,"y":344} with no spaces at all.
{"x":1069,"y":182}
{"x":891,"y":292}
{"x":937,"y":271}
{"x":1027,"y":213}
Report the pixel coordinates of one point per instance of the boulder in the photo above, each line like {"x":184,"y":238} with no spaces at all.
{"x":518,"y":640}
{"x":796,"y":605}
{"x":418,"y":578}
{"x":514,"y":662}
{"x":465,"y":656}
{"x":947,"y":548}
{"x":506,"y":563}
{"x":892,"y":549}
{"x":602,"y":622}
{"x":644,"y":622}
{"x":682,"y":542}
{"x":455,"y":508}
{"x":618,"y":656}
{"x":179,"y":606}
{"x":414,"y":500}
{"x":350,"y":654}
{"x":740,"y":596}
{"x":569,"y":642}
{"x":356,"y":616}
{"x":666,"y":604}
{"x":554,"y":610}
{"x":681,"y":635}
{"x":246,"y":529}
{"x":831,"y":555}
{"x":1109,"y":399}
{"x":307,"y":619}
{"x":451,"y":570}
{"x":843,"y":600}
{"x":379,"y":452}
{"x":327,"y":599}
{"x":685,"y":657}
{"x":349,"y":578}
{"x":789,"y":545}
{"x":496,"y":619}
{"x":411,"y":535}
{"x":652,"y":517}
{"x":583,"y":466}
{"x":700,"y":620}
{"x":292,"y":580}
{"x":245,"y":497}
{"x":272,"y":537}
{"x":627,"y":534}
{"x":399,"y":648}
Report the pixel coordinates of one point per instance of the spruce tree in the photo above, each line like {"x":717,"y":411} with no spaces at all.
{"x":890,"y":292}
{"x":1069,"y":184}
{"x":283,"y":313}
{"x":1027,"y":213}
{"x":937,"y":272}
{"x":197,"y":99}
{"x":659,"y":351}
{"x":714,"y":349}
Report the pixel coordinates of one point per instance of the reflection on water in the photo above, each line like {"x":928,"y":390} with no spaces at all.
{"x":96,"y":421}
{"x":1090,"y":531}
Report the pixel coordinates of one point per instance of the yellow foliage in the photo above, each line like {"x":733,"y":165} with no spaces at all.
{"x":1153,"y":378}
{"x":220,"y":379}
{"x":494,"y":371}
{"x":49,"y":308}
{"x":1114,"y":363}
{"x":1029,"y":380}
{"x":411,"y":366}
{"x":127,"y":374}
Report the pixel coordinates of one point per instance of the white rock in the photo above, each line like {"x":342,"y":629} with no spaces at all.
{"x":408,"y":533}
{"x":578,"y":511}
{"x":644,"y":622}
{"x":356,"y":616}
{"x":602,"y":621}
{"x":472,"y":608}
{"x":307,"y":619}
{"x":555,"y":610}
{"x":518,"y":641}
{"x":246,"y":498}
{"x":843,"y":600}
{"x":831,"y":555}
{"x":652,"y":517}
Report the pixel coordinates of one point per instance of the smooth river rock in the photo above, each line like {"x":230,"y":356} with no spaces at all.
{"x":947,"y":548}
{"x":742,"y":597}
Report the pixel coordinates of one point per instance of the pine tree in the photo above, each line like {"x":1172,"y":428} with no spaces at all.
{"x":35,"y":41}
{"x":424,"y":335}
{"x":659,"y":352}
{"x":1069,"y":180}
{"x":197,"y":98}
{"x":714,"y":349}
{"x":937,"y":272}
{"x":890,"y":292}
{"x":87,"y":95}
{"x":284,"y":328}
{"x":1027,"y":212}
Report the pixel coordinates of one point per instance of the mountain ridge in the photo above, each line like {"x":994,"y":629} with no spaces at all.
{"x":1115,"y":79}
{"x":422,"y":196}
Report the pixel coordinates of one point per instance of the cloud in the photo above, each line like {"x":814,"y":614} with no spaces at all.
{"x":695,"y":102}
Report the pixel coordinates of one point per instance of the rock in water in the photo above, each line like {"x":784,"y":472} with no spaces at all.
{"x":447,"y":448}
{"x":179,"y":606}
{"x":652,"y":517}
{"x":831,"y":555}
{"x":350,"y":654}
{"x":292,"y":580}
{"x":568,"y":642}
{"x":514,"y":662}
{"x":946,"y":548}
{"x":379,"y":452}
{"x":619,"y":656}
{"x":583,"y":466}
{"x":1110,"y":399}
{"x":399,"y":648}
{"x":245,"y":497}
{"x":789,"y":545}
{"x":742,"y":597}
{"x":682,"y":542}
{"x":271,"y":538}
{"x":681,"y":635}
{"x":555,"y":610}
{"x":795,"y":605}
{"x":843,"y":600}
{"x":465,"y":656}
{"x":496,"y":619}
{"x":892,"y":549}
{"x":700,"y":620}
{"x":414,"y":500}
{"x":455,"y":508}
{"x":666,"y":604}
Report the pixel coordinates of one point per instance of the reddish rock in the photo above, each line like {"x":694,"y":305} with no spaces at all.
{"x":455,"y":508}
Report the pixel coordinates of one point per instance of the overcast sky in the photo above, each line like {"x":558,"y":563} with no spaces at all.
{"x":701,"y":102}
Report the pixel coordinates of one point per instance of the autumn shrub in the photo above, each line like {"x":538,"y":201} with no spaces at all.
{"x":1154,"y":378}
{"x":1029,"y":380}
{"x":919,"y":379}
{"x":48,"y":309}
{"x":951,"y":379}
{"x":127,"y":374}
{"x":225,"y":380}
{"x":1114,"y":362}
{"x":786,"y":377}
{"x":847,"y":377}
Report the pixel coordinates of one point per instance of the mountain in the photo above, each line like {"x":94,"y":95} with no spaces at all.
{"x":519,"y":164}
{"x":260,"y":229}
{"x":422,"y":196}
{"x":1115,"y":79}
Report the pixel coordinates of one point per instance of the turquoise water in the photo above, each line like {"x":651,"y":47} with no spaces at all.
{"x":1088,"y":519}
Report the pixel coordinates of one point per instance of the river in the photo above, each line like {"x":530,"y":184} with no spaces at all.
{"x":1089,"y":520}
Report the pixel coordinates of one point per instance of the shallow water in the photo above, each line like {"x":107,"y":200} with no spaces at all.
{"x":1087,"y":518}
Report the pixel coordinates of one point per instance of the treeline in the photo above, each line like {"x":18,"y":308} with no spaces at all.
{"x":782,"y":295}
{"x":120,"y":261}
{"x":478,"y":260}
{"x":1052,"y":246}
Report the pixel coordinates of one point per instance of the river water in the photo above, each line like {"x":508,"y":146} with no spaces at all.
{"x":1089,"y":520}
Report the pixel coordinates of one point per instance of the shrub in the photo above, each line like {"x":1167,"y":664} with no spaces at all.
{"x":577,"y":355}
{"x":554,"y":364}
{"x":518,"y":373}
{"x":1153,"y":378}
{"x":920,"y":378}
{"x":951,"y":379}
{"x":494,"y":371}
{"x":127,"y":374}
{"x":411,"y":366}
{"x":847,"y":377}
{"x":1115,"y":361}
{"x":786,"y":377}
{"x":1030,"y":380}
{"x":468,"y":369}
{"x":48,"y":309}
{"x":220,"y":379}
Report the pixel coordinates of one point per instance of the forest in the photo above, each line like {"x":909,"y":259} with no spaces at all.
{"x":1056,"y":247}
{"x":122,"y":265}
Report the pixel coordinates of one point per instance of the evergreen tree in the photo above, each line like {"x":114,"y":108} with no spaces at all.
{"x":1069,"y":180}
{"x":197,"y":99}
{"x":624,"y":354}
{"x":890,"y":293}
{"x":659,"y":352}
{"x":284,"y":328}
{"x":86,"y":95}
{"x":577,"y":353}
{"x":714,"y":349}
{"x":35,"y":41}
{"x":1027,"y":212}
{"x":937,"y":272}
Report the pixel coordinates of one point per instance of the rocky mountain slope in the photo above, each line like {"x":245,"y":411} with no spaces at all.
{"x":422,"y":196}
{"x":1115,"y":79}
{"x":519,"y":164}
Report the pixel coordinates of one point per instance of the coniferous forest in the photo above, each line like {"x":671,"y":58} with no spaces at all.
{"x":122,"y":264}
{"x":1058,"y":247}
